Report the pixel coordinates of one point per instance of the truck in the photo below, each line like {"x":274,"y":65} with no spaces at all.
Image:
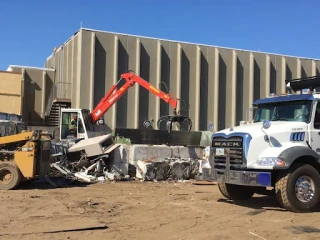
{"x":277,"y":153}
{"x":87,"y":123}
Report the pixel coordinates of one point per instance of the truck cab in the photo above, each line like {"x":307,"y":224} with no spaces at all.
{"x":277,"y":152}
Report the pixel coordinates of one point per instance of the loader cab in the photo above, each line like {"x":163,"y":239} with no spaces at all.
{"x":73,"y":126}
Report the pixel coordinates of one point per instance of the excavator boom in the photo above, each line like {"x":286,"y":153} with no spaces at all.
{"x":111,"y":97}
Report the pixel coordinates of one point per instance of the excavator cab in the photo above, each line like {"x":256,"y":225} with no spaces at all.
{"x":73,"y":124}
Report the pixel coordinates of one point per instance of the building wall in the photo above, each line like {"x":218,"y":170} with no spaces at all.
{"x":217,"y":84}
{"x":36,"y":88}
{"x":10,"y":92}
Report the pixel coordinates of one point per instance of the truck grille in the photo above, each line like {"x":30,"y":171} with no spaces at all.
{"x":235,"y":144}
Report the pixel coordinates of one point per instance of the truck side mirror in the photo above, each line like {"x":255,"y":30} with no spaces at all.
{"x":266,"y":124}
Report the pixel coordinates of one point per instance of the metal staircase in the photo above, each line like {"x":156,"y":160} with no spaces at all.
{"x":52,"y":119}
{"x":54,"y":105}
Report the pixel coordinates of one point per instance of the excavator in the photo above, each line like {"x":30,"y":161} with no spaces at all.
{"x":86,"y":121}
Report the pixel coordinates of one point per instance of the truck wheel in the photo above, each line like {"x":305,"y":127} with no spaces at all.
{"x":10,"y":176}
{"x":297,"y":189}
{"x":235,"y":192}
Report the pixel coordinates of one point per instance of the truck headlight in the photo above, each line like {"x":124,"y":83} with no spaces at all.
{"x":271,"y":161}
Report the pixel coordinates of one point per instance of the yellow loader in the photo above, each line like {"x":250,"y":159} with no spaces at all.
{"x":24,"y":155}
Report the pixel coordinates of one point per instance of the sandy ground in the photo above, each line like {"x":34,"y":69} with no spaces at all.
{"x":146,"y":210}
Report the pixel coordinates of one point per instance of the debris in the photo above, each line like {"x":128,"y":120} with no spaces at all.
{"x":166,"y":169}
{"x":204,"y":183}
{"x":257,"y":235}
{"x":85,"y":177}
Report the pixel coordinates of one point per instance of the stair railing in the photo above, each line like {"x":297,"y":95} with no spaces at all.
{"x":52,"y":96}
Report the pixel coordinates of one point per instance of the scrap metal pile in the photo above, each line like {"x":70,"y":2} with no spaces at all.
{"x":87,"y":160}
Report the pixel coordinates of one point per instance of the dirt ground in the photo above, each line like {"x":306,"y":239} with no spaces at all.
{"x":146,"y":210}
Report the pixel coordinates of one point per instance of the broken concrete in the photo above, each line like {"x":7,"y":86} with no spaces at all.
{"x":163,"y":169}
{"x":119,"y":159}
{"x":157,"y":162}
{"x":146,"y":152}
{"x":186,"y":152}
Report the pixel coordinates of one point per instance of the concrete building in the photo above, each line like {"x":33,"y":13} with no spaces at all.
{"x":11,"y":92}
{"x":25,"y":91}
{"x":218,"y":84}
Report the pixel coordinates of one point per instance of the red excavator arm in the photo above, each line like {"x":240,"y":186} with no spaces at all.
{"x":111,"y":97}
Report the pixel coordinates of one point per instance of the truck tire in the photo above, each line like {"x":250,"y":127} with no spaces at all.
{"x":10,"y":176}
{"x":298,"y":188}
{"x":235,"y":192}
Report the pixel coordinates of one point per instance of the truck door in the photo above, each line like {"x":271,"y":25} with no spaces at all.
{"x":315,"y":129}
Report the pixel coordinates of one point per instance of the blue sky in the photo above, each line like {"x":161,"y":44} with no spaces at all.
{"x":31,"y":29}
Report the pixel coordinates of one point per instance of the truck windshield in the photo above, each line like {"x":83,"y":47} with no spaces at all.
{"x":297,"y":111}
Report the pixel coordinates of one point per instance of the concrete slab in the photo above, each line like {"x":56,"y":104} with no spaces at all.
{"x":186,"y":152}
{"x":94,"y":146}
{"x":157,"y":162}
{"x":146,"y":152}
{"x":119,"y":158}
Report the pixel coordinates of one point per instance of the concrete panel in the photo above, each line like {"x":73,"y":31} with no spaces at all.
{"x":128,"y":59}
{"x":85,"y":70}
{"x":190,"y":83}
{"x":170,"y":76}
{"x":34,"y":88}
{"x":63,"y":75}
{"x":292,"y":68}
{"x":277,"y":74}
{"x":165,"y":73}
{"x":65,"y":67}
{"x":307,"y":68}
{"x":149,"y":104}
{"x":133,"y":49}
{"x":69,"y":68}
{"x":123,"y":65}
{"x":105,"y":70}
{"x":317,"y":68}
{"x":49,"y":81}
{"x":209,"y":84}
{"x":245,"y":84}
{"x":227,"y":88}
{"x":57,"y":62}
{"x":10,"y":92}
{"x":75,"y":74}
{"x":261,"y":75}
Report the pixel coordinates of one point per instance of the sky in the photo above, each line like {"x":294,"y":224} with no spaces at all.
{"x":31,"y":29}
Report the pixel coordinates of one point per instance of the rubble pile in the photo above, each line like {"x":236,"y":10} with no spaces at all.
{"x":101,"y":162}
{"x":170,"y":168}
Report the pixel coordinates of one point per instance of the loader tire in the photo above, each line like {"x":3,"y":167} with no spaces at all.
{"x":10,"y":176}
{"x":235,"y":192}
{"x":298,"y":188}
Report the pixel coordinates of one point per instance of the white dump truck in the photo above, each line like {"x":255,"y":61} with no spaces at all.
{"x":278,"y":151}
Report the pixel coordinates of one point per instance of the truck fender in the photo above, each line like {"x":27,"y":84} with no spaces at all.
{"x":291,"y":154}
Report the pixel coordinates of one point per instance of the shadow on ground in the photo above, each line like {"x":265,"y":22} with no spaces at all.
{"x":259,"y":204}
{"x":42,"y":184}
{"x":262,"y":203}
